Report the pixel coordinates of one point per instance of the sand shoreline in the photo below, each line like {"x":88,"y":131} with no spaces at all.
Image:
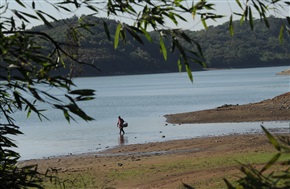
{"x":162,"y":158}
{"x":275,"y":109}
{"x":143,"y":150}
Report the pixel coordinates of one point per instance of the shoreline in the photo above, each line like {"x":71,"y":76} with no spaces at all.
{"x":274,"y":109}
{"x":164,"y":138}
{"x":202,"y":162}
{"x":156,"y":164}
{"x":115,"y":151}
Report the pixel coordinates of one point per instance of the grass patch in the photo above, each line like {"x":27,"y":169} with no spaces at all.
{"x":160,"y":167}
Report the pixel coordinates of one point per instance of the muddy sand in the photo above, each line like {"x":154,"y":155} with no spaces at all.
{"x":200,"y":162}
{"x":275,"y":109}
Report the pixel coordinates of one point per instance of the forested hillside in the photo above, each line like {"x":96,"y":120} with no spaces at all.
{"x":247,"y":48}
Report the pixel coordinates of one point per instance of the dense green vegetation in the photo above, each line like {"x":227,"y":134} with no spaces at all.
{"x":129,"y":58}
{"x":246,"y":48}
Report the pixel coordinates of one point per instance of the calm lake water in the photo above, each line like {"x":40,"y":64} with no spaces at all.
{"x":143,"y":100}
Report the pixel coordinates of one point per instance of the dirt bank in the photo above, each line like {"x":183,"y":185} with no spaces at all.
{"x":275,"y":109}
{"x":200,"y":162}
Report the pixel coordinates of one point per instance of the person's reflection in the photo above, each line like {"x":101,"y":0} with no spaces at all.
{"x":123,"y":140}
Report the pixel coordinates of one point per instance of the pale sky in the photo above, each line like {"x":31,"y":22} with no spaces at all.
{"x":223,"y":7}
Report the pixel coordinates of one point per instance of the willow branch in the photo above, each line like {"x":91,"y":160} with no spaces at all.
{"x":55,"y":43}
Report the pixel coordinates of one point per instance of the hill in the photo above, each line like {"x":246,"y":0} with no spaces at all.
{"x":246,"y":49}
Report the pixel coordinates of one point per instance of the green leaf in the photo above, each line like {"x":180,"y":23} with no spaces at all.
{"x":242,"y":19}
{"x":272,"y":139}
{"x":35,"y":94}
{"x":179,"y":65}
{"x":246,"y":12}
{"x":251,"y":19}
{"x":17,"y":13}
{"x":18,"y":101}
{"x":66,"y":115}
{"x":239,"y":3}
{"x":80,"y":98}
{"x":288,"y":18}
{"x":64,"y":8}
{"x":147,"y":35}
{"x":162,"y":47}
{"x":20,"y":3}
{"x":180,"y":17}
{"x":33,"y":4}
{"x":185,"y":37}
{"x":199,"y":50}
{"x":51,"y":96}
{"x":93,"y":8}
{"x":229,"y":185}
{"x":266,"y":21}
{"x":186,"y":186}
{"x":188,"y":70}
{"x":271,"y":162}
{"x":28,"y":113}
{"x":29,"y":15}
{"x":171,"y":16}
{"x":83,"y":92}
{"x":77,"y":111}
{"x":204,"y":23}
{"x":48,"y":15}
{"x":281,"y":33}
{"x":131,"y":30}
{"x":107,"y":30}
{"x":117,"y":35}
{"x":43,"y":19}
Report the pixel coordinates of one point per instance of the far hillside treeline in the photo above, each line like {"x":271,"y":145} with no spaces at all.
{"x":247,"y":48}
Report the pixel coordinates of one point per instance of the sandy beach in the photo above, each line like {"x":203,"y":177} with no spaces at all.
{"x":275,"y":109}
{"x":200,"y":162}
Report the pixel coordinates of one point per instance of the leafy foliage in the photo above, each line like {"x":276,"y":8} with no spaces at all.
{"x":246,"y":48}
{"x":27,"y":66}
{"x":12,"y":176}
{"x":266,"y":177}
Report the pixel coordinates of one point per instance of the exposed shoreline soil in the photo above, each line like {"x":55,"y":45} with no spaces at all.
{"x":284,"y":72}
{"x":275,"y":109}
{"x":200,"y":162}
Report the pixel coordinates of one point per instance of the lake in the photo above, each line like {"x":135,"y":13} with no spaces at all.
{"x":143,"y":100}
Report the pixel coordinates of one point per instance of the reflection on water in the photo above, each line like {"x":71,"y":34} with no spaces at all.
{"x":123,"y":140}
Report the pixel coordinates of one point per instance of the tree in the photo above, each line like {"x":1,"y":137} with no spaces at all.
{"x":25,"y":65}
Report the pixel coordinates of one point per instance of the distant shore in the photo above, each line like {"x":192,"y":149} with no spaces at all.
{"x":285,"y":72}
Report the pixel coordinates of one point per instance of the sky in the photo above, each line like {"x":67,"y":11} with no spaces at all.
{"x":223,"y":7}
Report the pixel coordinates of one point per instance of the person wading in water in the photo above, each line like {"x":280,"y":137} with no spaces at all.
{"x":120,"y":125}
